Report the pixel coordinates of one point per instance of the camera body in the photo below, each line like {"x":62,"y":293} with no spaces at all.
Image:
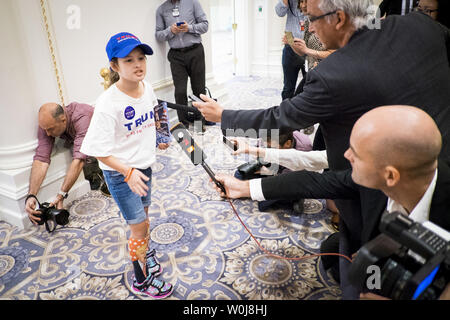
{"x":413,"y":260}
{"x":51,"y":214}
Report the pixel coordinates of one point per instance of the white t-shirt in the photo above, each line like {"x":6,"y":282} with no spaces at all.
{"x":123,"y":127}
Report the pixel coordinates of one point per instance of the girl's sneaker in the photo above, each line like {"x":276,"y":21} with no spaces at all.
{"x":153,"y":266}
{"x":153,"y":287}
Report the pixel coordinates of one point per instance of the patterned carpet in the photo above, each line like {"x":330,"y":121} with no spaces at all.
{"x":204,"y":250}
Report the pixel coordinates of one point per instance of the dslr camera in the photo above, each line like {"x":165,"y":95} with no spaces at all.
{"x":412,"y":260}
{"x":49,"y":215}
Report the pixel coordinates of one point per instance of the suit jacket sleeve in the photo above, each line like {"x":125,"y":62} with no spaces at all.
{"x":315,"y":104}
{"x":310,"y":185}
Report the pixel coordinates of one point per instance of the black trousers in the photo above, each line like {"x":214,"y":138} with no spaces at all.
{"x":331,"y":245}
{"x":187,"y":63}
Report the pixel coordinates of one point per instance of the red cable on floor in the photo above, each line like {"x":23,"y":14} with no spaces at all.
{"x":281,"y":257}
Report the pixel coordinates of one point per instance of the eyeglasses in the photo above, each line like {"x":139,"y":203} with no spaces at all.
{"x":311,"y":19}
{"x":426,"y":10}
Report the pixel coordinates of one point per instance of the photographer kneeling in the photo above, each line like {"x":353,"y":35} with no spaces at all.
{"x":387,"y":155}
{"x":69,"y":123}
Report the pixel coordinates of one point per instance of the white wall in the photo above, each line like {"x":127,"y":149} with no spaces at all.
{"x":27,"y":79}
{"x":82,"y":51}
{"x":264,"y":31}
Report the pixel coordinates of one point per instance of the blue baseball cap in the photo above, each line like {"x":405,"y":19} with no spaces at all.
{"x":121,"y":44}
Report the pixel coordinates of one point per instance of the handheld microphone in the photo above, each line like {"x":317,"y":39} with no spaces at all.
{"x":181,"y":107}
{"x":192,"y":150}
{"x":187,"y":143}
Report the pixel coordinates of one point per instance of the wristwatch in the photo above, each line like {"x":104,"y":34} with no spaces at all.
{"x":63,"y":194}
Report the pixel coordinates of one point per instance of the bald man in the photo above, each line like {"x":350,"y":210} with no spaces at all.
{"x":393,"y":151}
{"x":69,"y":123}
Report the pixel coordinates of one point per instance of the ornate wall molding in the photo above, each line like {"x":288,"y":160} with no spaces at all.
{"x":49,"y":31}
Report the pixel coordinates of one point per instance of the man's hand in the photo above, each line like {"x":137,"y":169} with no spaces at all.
{"x":235,"y":188}
{"x":242,"y":147}
{"x":163,"y":146}
{"x":371,"y":296}
{"x":136,"y":182}
{"x":176,"y":30}
{"x":30,"y":207}
{"x":210,"y":109}
{"x":58,"y":203}
{"x":446,"y":293}
{"x":184,"y":27}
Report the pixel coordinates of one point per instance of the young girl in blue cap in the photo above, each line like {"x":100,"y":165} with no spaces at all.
{"x":122,"y":136}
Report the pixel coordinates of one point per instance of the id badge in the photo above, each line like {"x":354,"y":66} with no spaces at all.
{"x":175,"y":12}
{"x":302,"y":25}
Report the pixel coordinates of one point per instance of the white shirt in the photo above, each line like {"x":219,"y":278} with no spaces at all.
{"x":421,"y":211}
{"x":123,"y":127}
{"x":292,"y":159}
{"x":296,"y":160}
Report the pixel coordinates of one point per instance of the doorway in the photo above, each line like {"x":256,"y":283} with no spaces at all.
{"x":223,"y":38}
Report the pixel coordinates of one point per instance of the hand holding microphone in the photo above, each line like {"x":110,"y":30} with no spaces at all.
{"x":234,"y":188}
{"x":209,"y":108}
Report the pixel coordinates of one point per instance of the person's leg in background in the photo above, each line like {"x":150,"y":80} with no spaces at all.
{"x":331,"y":263}
{"x":195,"y":59}
{"x":197,"y":74}
{"x":180,"y":79}
{"x":292,"y":64}
{"x":300,"y":86}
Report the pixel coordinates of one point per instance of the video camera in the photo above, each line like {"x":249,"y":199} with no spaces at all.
{"x":413,"y":260}
{"x":54,"y":216}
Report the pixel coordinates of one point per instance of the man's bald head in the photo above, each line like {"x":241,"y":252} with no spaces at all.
{"x":52,"y":119}
{"x":403,"y":137}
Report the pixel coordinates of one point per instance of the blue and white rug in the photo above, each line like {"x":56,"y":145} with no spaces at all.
{"x":205,"y":251}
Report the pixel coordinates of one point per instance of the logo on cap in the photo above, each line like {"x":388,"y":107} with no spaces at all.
{"x":121,"y":44}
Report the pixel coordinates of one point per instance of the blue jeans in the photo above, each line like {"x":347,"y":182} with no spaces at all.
{"x":292,"y":64}
{"x":130,"y":204}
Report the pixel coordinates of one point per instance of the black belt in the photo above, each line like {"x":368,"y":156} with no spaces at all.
{"x":187,"y":48}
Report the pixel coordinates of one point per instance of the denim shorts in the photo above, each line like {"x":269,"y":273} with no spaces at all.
{"x":130,"y":204}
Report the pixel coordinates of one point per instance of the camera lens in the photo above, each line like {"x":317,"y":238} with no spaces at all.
{"x":62,"y":217}
{"x":41,"y":218}
{"x":393,"y":280}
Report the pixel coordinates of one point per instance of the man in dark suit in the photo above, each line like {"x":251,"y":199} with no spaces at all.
{"x":404,"y":62}
{"x":388,"y":158}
